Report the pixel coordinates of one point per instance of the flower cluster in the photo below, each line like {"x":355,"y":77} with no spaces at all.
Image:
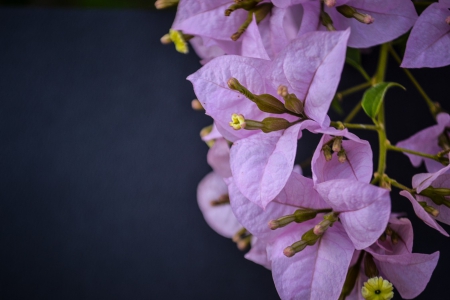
{"x":271,"y":71}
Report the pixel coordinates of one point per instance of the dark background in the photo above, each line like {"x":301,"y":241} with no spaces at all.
{"x":100,"y":159}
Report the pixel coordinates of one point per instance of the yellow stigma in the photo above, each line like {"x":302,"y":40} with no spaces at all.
{"x":237,"y":121}
{"x":377,"y":288}
{"x":179,"y":41}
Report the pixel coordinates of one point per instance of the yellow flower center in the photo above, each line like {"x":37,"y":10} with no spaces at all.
{"x":377,"y":288}
{"x":237,"y":121}
{"x":179,"y":41}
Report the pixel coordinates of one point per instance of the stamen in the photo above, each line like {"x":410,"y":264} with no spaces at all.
{"x":351,"y":12}
{"x":330,"y":3}
{"x":223,"y":199}
{"x":429,"y":209}
{"x":161,"y":4}
{"x":196,"y":105}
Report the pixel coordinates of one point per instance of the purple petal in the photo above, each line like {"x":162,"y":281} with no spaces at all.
{"x":422,"y":214}
{"x":258,"y":253}
{"x":364,"y":208}
{"x":423,"y":180}
{"x":214,"y":134}
{"x":409,"y":272}
{"x":206,"y":19}
{"x":429,"y":40}
{"x":261,"y":164}
{"x":220,"y":102}
{"x":220,"y":218}
{"x":442,"y":181}
{"x":426,"y":140}
{"x":358,"y":165}
{"x":392,"y":19}
{"x":321,"y":55}
{"x":252,"y":44}
{"x":319,"y":271}
{"x":219,"y":158}
{"x":299,"y":192}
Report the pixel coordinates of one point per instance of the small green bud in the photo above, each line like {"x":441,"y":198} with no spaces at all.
{"x":429,"y":209}
{"x":342,"y":156}
{"x":327,"y":152}
{"x":274,"y":124}
{"x":326,"y":21}
{"x":351,"y":12}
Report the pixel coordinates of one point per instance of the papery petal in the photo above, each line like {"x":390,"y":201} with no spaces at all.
{"x":220,"y":102}
{"x":429,"y":40}
{"x":219,"y":158}
{"x":423,"y":180}
{"x":422,"y":214}
{"x":409,"y":272}
{"x":364,"y":208}
{"x":220,"y":218}
{"x":205,"y":52}
{"x":321,"y":56}
{"x":403,"y":228}
{"x":261,"y":164}
{"x":214,"y":134}
{"x":358,"y":165}
{"x":258,"y":253}
{"x":252,"y":44}
{"x":392,"y":19}
{"x":298,"y":192}
{"x":316,"y":273}
{"x":442,"y":181}
{"x":206,"y":19}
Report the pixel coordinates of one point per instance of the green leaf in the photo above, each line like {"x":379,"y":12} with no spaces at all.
{"x":373,"y":97}
{"x":353,"y":58}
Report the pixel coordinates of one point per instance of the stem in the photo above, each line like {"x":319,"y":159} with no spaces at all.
{"x":354,"y":89}
{"x":399,"y":185}
{"x":354,"y":126}
{"x":430,"y":103}
{"x":379,"y":77}
{"x":395,"y":148}
{"x":353,"y":113}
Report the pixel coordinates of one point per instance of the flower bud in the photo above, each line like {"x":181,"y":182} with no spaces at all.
{"x":196,"y":105}
{"x":326,"y":21}
{"x":429,"y":209}
{"x":299,"y":216}
{"x":265,"y":102}
{"x":165,"y":39}
{"x":330,"y":3}
{"x":342,"y":156}
{"x":447,"y":20}
{"x":161,"y":4}
{"x":308,"y":239}
{"x":327,"y":152}
{"x":337,"y":144}
{"x":274,"y":124}
{"x":351,"y":12}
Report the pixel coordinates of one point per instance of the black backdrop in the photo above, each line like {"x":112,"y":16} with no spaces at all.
{"x":100,"y":159}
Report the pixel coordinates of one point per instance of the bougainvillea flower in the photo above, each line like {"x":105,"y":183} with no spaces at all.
{"x":429,"y":40}
{"x":322,"y":55}
{"x":427,"y":141}
{"x":357,"y":158}
{"x":363,"y":208}
{"x":218,"y":158}
{"x":258,"y":253}
{"x":422,"y":214}
{"x":318,"y":270}
{"x":219,"y":217}
{"x":408,"y":272}
{"x":213,"y":30}
{"x":379,"y":21}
